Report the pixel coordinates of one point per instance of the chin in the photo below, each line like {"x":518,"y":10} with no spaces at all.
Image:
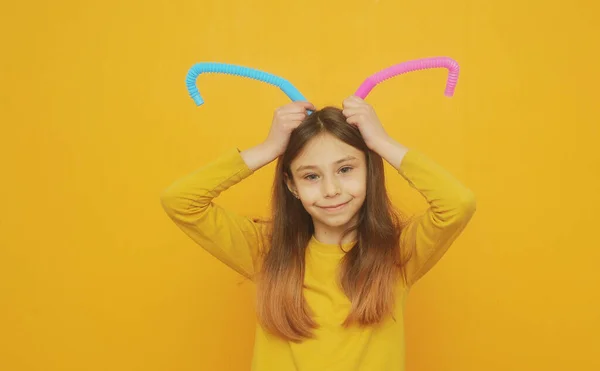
{"x":336,"y":221}
{"x":335,"y":224}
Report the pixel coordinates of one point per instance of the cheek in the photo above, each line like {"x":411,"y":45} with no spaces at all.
{"x":309,"y":193}
{"x":355,"y":186}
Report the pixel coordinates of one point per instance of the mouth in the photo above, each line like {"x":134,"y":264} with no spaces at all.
{"x":334,"y":207}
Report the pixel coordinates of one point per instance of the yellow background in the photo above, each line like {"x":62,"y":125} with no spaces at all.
{"x":96,"y":122}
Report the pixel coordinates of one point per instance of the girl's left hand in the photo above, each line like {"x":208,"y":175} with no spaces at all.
{"x":362,"y":115}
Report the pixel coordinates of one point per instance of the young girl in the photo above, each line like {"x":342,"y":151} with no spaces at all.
{"x":335,"y":264}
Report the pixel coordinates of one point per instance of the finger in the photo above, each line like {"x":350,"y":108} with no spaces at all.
{"x":299,"y":117}
{"x":302,"y":105}
{"x":356,"y":99}
{"x":294,"y":110}
{"x":309,"y":105}
{"x":351,"y":111}
{"x":353,"y":98}
{"x":348,"y":103}
{"x":353,"y":120}
{"x":352,"y":103}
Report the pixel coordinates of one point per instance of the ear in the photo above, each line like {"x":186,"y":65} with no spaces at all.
{"x":291,"y":186}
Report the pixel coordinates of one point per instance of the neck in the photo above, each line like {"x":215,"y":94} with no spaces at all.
{"x":333,"y":235}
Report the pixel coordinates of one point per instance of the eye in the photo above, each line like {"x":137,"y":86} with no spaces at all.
{"x":346,"y":169}
{"x":310,"y":177}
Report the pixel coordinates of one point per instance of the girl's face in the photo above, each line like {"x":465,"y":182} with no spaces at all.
{"x":330,"y":178}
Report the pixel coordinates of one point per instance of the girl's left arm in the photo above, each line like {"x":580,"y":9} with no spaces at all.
{"x":451,"y":206}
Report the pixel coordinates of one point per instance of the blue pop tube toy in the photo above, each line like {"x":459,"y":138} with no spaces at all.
{"x":232,"y":69}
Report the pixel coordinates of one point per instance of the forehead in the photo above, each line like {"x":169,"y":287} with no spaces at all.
{"x":323,"y":151}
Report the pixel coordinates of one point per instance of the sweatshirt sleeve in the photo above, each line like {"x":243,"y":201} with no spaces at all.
{"x":233,"y":239}
{"x":451,"y":206}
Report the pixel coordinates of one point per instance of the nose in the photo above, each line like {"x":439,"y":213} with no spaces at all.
{"x":331,"y":187}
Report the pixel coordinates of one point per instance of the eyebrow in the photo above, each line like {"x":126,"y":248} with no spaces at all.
{"x":307,"y":167}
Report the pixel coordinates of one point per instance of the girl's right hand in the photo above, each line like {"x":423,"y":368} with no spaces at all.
{"x":286,"y":119}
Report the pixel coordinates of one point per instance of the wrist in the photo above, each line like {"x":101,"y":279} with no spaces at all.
{"x":391,"y":151}
{"x":269,"y":151}
{"x":258,"y":156}
{"x":381,"y":144}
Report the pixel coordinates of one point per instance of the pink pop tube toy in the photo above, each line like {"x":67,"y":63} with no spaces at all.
{"x":409,"y":66}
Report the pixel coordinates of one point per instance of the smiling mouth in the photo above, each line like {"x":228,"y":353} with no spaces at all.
{"x":334,"y":207}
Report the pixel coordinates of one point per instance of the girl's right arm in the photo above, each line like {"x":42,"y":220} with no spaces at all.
{"x":235,"y":240}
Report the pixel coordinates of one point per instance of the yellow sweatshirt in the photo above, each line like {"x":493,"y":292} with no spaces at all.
{"x":238,"y":242}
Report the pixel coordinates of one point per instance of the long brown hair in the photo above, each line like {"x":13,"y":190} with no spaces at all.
{"x":369,"y":270}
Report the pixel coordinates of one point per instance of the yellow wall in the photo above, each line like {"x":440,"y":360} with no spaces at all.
{"x":96,"y":122}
